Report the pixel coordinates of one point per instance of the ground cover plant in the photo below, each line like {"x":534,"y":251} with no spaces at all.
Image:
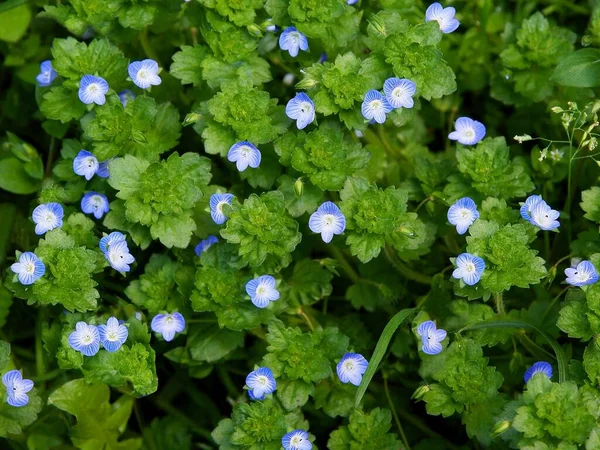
{"x":299,"y":224}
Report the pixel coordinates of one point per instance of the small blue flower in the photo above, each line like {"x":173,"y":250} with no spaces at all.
{"x":93,"y":90}
{"x":16,"y":388}
{"x":301,"y":109}
{"x":29,"y":268}
{"x":111,"y":239}
{"x":144,"y":73}
{"x":327,"y":220}
{"x":244,"y":154}
{"x":85,"y":164}
{"x":119,"y":257}
{"x":462,"y":214}
{"x":444,"y":16}
{"x":538,"y":367}
{"x":322,"y":58}
{"x":528,"y":205}
{"x":352,"y":2}
{"x":351,"y":368}
{"x":205,"y":244}
{"x":47,"y":217}
{"x":217,"y":201}
{"x":168,"y":325}
{"x":543,"y":216}
{"x":85,"y":339}
{"x":125,"y":96}
{"x":261,"y":382}
{"x":469,"y":268}
{"x":262,"y":291}
{"x":47,"y":74}
{"x":113,"y":335}
{"x":399,"y":92}
{"x":375,"y":106}
{"x":584,"y":274}
{"x":102,"y":171}
{"x":296,"y":440}
{"x":431,"y":337}
{"x":292,"y":41}
{"x":94,"y":203}
{"x":468,"y":131}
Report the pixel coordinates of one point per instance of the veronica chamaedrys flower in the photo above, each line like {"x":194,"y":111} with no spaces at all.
{"x":144,"y":73}
{"x":119,"y":257}
{"x":205,"y":244}
{"x":444,"y":16}
{"x":467,"y":131}
{"x":95,"y":203}
{"x":352,"y":2}
{"x":292,"y":41}
{"x":85,"y":339}
{"x":16,"y":388}
{"x":47,"y":217}
{"x":327,"y":220}
{"x":29,"y":268}
{"x":85,"y":164}
{"x":538,"y":367}
{"x":168,"y":325}
{"x":217,"y":201}
{"x":584,"y":274}
{"x":113,"y":334}
{"x":111,"y":239}
{"x":431,"y":337}
{"x":375,"y":106}
{"x":399,"y":92}
{"x":462,"y":214}
{"x":262,"y":291}
{"x":126,"y":95}
{"x":260,"y":383}
{"x":528,"y":205}
{"x":47,"y":74}
{"x":93,"y":90}
{"x":301,"y":109}
{"x":544,"y":217}
{"x":469,"y":268}
{"x":296,"y":440}
{"x":351,"y":368}
{"x":244,"y":154}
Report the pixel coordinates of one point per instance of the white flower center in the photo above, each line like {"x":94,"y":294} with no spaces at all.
{"x":261,"y":290}
{"x":29,"y":268}
{"x":90,"y":162}
{"x":469,"y":133}
{"x":305,"y":107}
{"x":581,"y":276}
{"x":220,"y":206}
{"x":398,"y":92}
{"x":112,"y":336}
{"x":262,"y":380}
{"x":115,"y":257}
{"x":49,"y":218}
{"x":142,"y":74}
{"x":295,"y":37}
{"x":96,"y":201}
{"x":464,"y":213}
{"x":296,"y":440}
{"x":469,"y":267}
{"x":87,"y":339}
{"x":244,"y":152}
{"x":376,"y":104}
{"x":93,"y":89}
{"x":349,"y":365}
{"x":169,"y":321}
{"x":328,"y":220}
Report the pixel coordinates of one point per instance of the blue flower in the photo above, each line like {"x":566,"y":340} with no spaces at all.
{"x":262,"y":291}
{"x":111,"y":239}
{"x":16,"y":388}
{"x":85,"y":164}
{"x":244,"y":154}
{"x":47,"y":217}
{"x":94,"y":203}
{"x":444,"y":16}
{"x":327,"y":220}
{"x":375,"y":106}
{"x":168,"y":325}
{"x":85,"y":339}
{"x":217,"y":201}
{"x":528,"y":205}
{"x":102,"y":171}
{"x":469,"y":268}
{"x":462,"y":214}
{"x":125,"y":96}
{"x":119,"y":257}
{"x":543,"y":216}
{"x":29,"y":268}
{"x":351,"y":368}
{"x":399,"y":92}
{"x":584,"y":274}
{"x":301,"y":109}
{"x":113,"y":334}
{"x":468,"y":131}
{"x":292,"y":41}
{"x":261,"y":382}
{"x":538,"y":367}
{"x":205,"y":244}
{"x":431,"y":337}
{"x":352,"y":2}
{"x":93,"y":90}
{"x":144,"y":73}
{"x":296,"y":440}
{"x":322,"y":58}
{"x":47,"y":74}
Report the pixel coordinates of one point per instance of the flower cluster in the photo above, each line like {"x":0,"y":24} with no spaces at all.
{"x":397,"y":93}
{"x":87,"y":338}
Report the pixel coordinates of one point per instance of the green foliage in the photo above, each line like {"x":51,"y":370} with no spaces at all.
{"x":365,"y":429}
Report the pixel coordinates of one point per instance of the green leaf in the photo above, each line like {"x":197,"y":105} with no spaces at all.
{"x":63,"y":104}
{"x":438,"y":401}
{"x":298,"y":204}
{"x":294,"y":393}
{"x":210,"y":344}
{"x":591,"y":203}
{"x":14,"y":23}
{"x":14,"y":178}
{"x":579,"y":69}
{"x":309,"y":283}
{"x":365,"y":429}
{"x":187,"y":64}
{"x":573,"y":317}
{"x":13,"y":420}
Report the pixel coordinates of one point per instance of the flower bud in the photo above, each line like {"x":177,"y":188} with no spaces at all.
{"x":522,"y":138}
{"x":307,"y":83}
{"x":556,"y":109}
{"x":420,"y":392}
{"x":500,"y":428}
{"x":299,"y":187}
{"x":191,"y":119}
{"x":254,"y":30}
{"x":378,"y":25}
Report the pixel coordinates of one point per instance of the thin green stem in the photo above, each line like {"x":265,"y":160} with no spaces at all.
{"x":554,"y":300}
{"x":499,"y":301}
{"x":227,"y":381}
{"x":46,"y":376}
{"x":148,"y":50}
{"x":337,"y":254}
{"x":40,"y":368}
{"x":393,"y":409}
{"x":184,"y":418}
{"x":51,"y":157}
{"x":306,"y":319}
{"x":405,"y":270}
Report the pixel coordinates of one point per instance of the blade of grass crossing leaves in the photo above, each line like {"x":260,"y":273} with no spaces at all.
{"x":380,"y":349}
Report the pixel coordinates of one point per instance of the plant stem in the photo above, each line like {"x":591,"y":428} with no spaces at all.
{"x":499,"y":303}
{"x":148,"y":50}
{"x":51,"y":156}
{"x":39,"y":349}
{"x":393,"y":409}
{"x":405,"y":270}
{"x":306,"y":319}
{"x":554,"y":300}
{"x":337,"y":254}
